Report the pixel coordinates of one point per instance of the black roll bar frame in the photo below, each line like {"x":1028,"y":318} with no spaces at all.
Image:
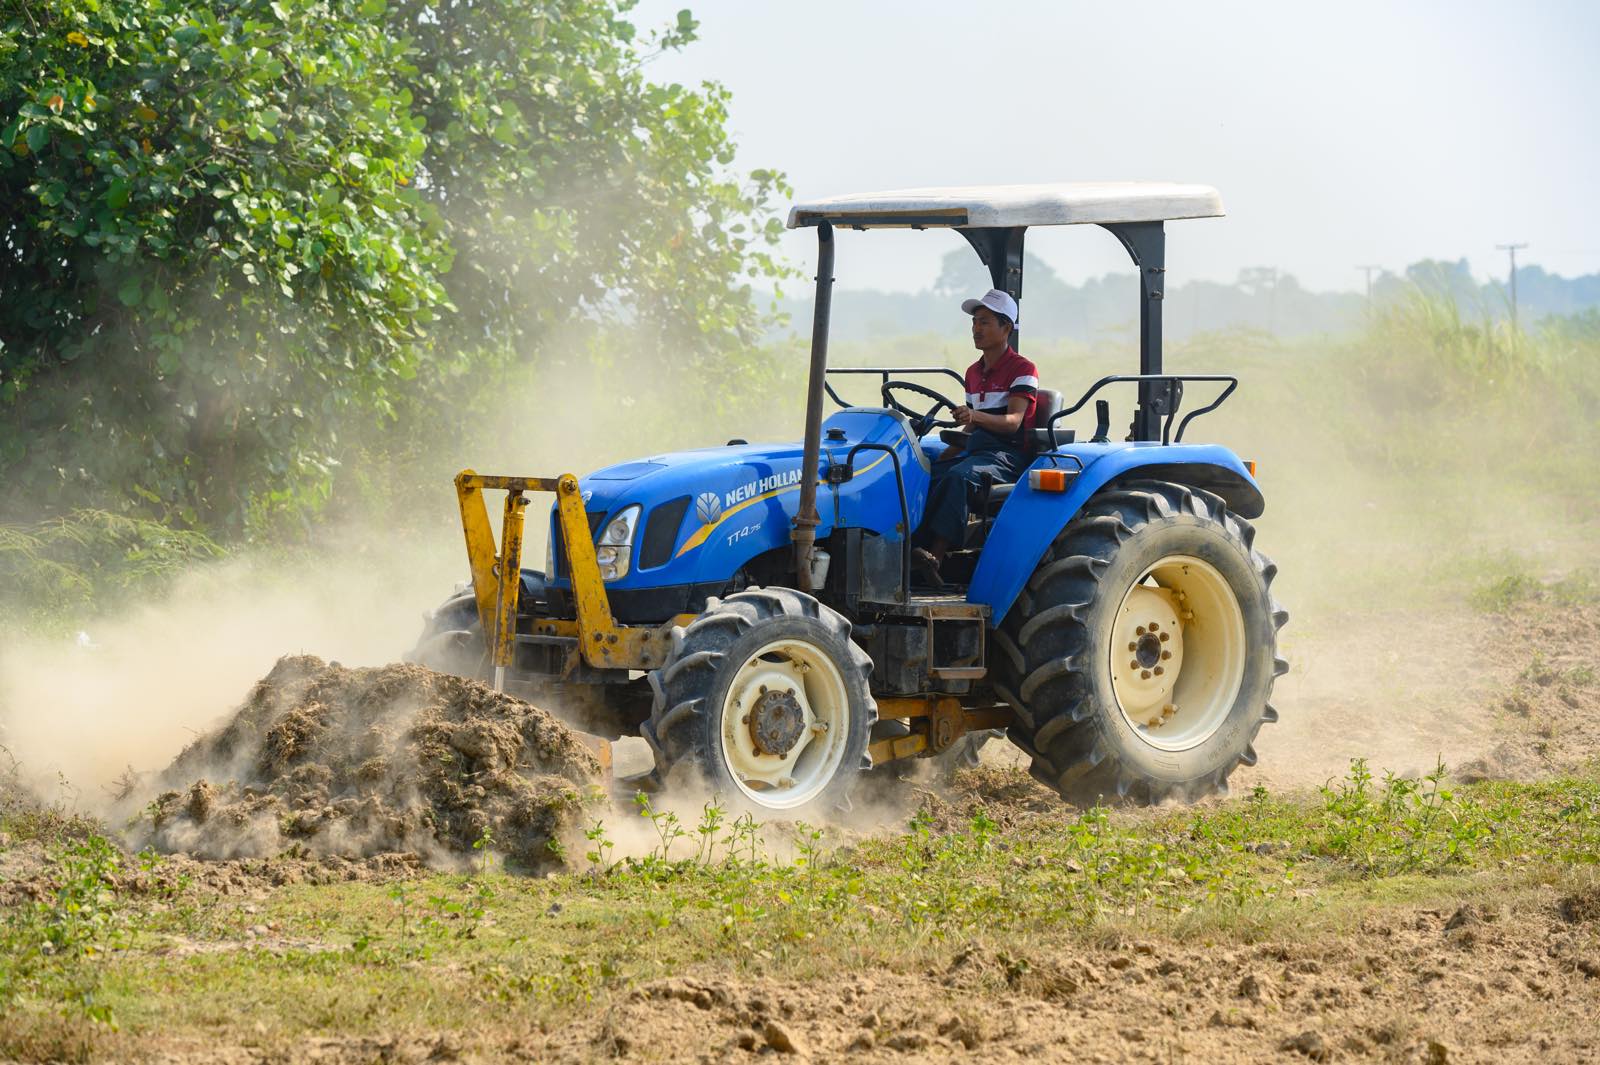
{"x":1164,"y":402}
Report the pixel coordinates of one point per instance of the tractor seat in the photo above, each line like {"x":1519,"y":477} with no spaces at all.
{"x":1049,"y":403}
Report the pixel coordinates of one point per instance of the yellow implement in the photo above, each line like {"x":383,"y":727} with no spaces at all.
{"x":497,"y":579}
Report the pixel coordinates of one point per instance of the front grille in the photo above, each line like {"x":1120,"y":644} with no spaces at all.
{"x":661,"y":532}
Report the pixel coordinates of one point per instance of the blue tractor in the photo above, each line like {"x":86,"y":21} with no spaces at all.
{"x":750,"y":609}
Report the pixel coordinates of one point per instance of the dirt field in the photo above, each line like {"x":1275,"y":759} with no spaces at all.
{"x":1365,"y":921}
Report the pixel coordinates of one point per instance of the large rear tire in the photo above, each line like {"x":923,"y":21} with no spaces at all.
{"x":764,"y":698}
{"x":1141,"y":655}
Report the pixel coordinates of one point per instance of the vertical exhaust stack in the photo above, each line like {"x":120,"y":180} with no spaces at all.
{"x":805,"y":519}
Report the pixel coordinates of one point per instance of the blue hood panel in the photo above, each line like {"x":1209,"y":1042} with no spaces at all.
{"x":742,"y":499}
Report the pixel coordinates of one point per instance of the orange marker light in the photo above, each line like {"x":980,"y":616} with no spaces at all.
{"x":1250,"y":464}
{"x":1047,"y":480}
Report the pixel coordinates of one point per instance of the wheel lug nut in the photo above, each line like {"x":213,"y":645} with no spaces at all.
{"x":1154,"y":626}
{"x":763,"y":689}
{"x":1134,"y":664}
{"x":1165,"y":636}
{"x":1139,"y":631}
{"x":1133,"y":647}
{"x":1165,"y":655}
{"x":1154,"y":722}
{"x":1158,"y":671}
{"x":745,"y":720}
{"x":1144,"y":674}
{"x":820,"y":727}
{"x":786,"y":782}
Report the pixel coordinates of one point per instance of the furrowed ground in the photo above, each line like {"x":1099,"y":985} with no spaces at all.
{"x":1375,"y":917}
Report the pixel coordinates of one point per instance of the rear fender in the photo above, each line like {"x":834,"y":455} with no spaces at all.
{"x":1030,"y":519}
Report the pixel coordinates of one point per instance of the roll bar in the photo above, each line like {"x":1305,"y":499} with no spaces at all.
{"x":1166,"y":392}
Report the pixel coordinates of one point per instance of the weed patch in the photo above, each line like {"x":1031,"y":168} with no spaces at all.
{"x":52,"y":949}
{"x":1501,"y":594}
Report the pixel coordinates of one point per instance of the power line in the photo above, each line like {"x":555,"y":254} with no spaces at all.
{"x":1368,"y":271}
{"x":1512,"y":250}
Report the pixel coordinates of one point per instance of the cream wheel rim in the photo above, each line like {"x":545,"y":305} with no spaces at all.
{"x":1177,"y":653}
{"x":785,"y":724}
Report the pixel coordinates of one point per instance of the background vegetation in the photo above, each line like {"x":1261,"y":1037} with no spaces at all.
{"x":240,"y":241}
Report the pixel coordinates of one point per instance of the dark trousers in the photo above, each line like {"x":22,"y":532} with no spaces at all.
{"x":948,"y":497}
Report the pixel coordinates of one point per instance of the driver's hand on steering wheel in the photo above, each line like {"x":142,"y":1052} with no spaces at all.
{"x":962,"y":415}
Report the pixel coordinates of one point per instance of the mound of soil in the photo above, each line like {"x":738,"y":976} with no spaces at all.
{"x":322,"y":760}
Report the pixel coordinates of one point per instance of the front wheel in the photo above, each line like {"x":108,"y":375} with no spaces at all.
{"x":1141,"y":656}
{"x":765,"y":697}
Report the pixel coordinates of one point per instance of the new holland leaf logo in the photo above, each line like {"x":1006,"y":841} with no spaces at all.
{"x":708,"y":507}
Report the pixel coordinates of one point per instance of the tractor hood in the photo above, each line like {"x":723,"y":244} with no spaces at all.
{"x":705,"y":513}
{"x":722,"y":469}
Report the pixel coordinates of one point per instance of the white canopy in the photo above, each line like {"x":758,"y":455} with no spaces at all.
{"x":975,"y":206}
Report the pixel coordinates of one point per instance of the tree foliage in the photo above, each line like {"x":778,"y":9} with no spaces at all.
{"x":230,"y":231}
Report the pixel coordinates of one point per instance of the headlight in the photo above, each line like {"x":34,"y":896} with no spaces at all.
{"x":616,"y":545}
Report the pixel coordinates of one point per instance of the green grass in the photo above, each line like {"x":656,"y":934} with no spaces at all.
{"x":448,"y":952}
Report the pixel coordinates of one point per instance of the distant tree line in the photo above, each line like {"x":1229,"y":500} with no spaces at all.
{"x":1261,"y":298}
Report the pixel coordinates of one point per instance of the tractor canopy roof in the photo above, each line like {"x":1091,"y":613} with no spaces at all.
{"x":993,"y":206}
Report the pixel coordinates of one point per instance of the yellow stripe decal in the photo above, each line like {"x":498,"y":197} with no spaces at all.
{"x":700,"y":535}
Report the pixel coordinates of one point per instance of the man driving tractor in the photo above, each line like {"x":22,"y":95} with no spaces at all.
{"x":1002,"y":396}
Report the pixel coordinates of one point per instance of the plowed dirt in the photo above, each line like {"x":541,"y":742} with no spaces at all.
{"x":1425,"y":986}
{"x":326,"y":761}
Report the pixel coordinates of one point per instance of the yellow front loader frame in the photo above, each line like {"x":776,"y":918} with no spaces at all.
{"x":595,"y":637}
{"x":497,"y":579}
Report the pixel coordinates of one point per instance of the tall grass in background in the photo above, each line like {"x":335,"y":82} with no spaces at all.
{"x":1437,"y":375}
{"x":1433,"y":452}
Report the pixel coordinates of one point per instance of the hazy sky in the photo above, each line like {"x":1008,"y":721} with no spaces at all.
{"x":1338,"y":134}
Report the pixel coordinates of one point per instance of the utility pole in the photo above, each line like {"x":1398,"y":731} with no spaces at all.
{"x":1512,"y":249}
{"x":1368,"y":271}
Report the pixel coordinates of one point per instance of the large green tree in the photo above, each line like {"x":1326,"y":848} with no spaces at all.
{"x":230,"y":229}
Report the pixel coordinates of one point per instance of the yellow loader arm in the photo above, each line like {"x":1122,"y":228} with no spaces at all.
{"x":497,"y":578}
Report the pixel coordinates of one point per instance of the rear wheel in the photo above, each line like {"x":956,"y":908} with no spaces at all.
{"x":765,"y":697}
{"x":1141,"y":655}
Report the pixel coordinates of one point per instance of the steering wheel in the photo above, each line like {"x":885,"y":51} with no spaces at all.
{"x":920,"y":423}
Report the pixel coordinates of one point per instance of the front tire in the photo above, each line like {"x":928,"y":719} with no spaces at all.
{"x":765,"y":697}
{"x":1141,"y":655}
{"x":452,"y":640}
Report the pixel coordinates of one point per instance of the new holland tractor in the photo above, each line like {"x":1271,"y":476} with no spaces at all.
{"x":750,"y":610}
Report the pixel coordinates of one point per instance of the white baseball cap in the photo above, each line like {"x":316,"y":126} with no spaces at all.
{"x":997,"y":301}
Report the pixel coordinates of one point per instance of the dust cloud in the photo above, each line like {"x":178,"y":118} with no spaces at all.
{"x":133,"y":689}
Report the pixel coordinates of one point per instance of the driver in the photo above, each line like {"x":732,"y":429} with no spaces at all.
{"x":1002,"y":396}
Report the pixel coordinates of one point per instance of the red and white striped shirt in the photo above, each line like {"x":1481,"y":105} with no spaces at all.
{"x":989,"y":390}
